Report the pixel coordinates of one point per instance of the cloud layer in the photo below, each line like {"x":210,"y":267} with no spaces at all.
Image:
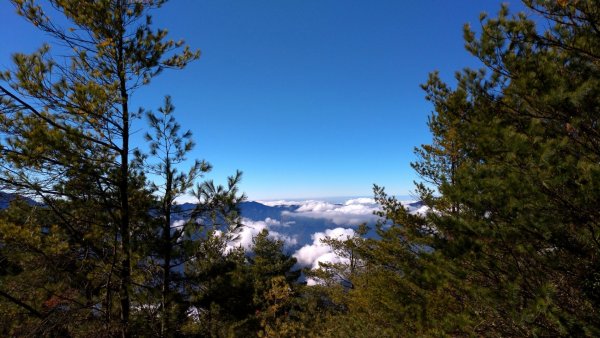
{"x":352,"y":212}
{"x":332,"y":220}
{"x":251,"y":229}
{"x":311,"y":254}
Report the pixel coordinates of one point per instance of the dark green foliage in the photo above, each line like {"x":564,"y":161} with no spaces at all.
{"x":273,"y":284}
{"x":240,"y":296}
{"x":510,"y":245}
{"x":515,"y":162}
{"x":269,"y":261}
{"x":65,"y":129}
{"x":166,"y":243}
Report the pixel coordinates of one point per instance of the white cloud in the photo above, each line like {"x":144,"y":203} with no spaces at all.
{"x":352,"y":212}
{"x":282,"y":203}
{"x":361,"y":200}
{"x":316,"y":206}
{"x":312,"y":254}
{"x":421,"y":211}
{"x":252,"y":228}
{"x":178,"y":224}
{"x":186,"y":199}
{"x":275,"y":223}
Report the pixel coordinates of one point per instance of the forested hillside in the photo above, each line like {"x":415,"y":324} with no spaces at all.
{"x":89,"y":246}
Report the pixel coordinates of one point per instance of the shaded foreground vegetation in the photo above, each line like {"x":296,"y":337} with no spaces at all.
{"x":512,"y":176}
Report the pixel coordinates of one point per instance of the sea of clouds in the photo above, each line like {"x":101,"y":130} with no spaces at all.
{"x":352,"y":212}
{"x":339,"y":221}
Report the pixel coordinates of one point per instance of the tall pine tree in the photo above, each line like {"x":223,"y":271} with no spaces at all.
{"x":515,"y":222}
{"x":66,"y":128}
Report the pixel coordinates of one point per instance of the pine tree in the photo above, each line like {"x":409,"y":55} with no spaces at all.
{"x":168,"y":149}
{"x":66,"y":124}
{"x":516,"y":227}
{"x":215,"y":289}
{"x":273,"y":278}
{"x":268,"y":261}
{"x":509,"y":246}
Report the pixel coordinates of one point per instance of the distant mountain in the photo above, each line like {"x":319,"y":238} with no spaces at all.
{"x":300,"y":224}
{"x":299,"y":221}
{"x":6,"y":198}
{"x":415,"y":205}
{"x":249,"y":209}
{"x":257,"y":211}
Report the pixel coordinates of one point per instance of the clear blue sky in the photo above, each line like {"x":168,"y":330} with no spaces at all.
{"x":310,"y":98}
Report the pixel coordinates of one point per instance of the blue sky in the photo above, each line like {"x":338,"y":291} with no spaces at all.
{"x":309,"y":98}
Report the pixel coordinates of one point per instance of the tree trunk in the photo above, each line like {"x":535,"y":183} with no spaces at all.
{"x":124,"y":191}
{"x":167,"y":247}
